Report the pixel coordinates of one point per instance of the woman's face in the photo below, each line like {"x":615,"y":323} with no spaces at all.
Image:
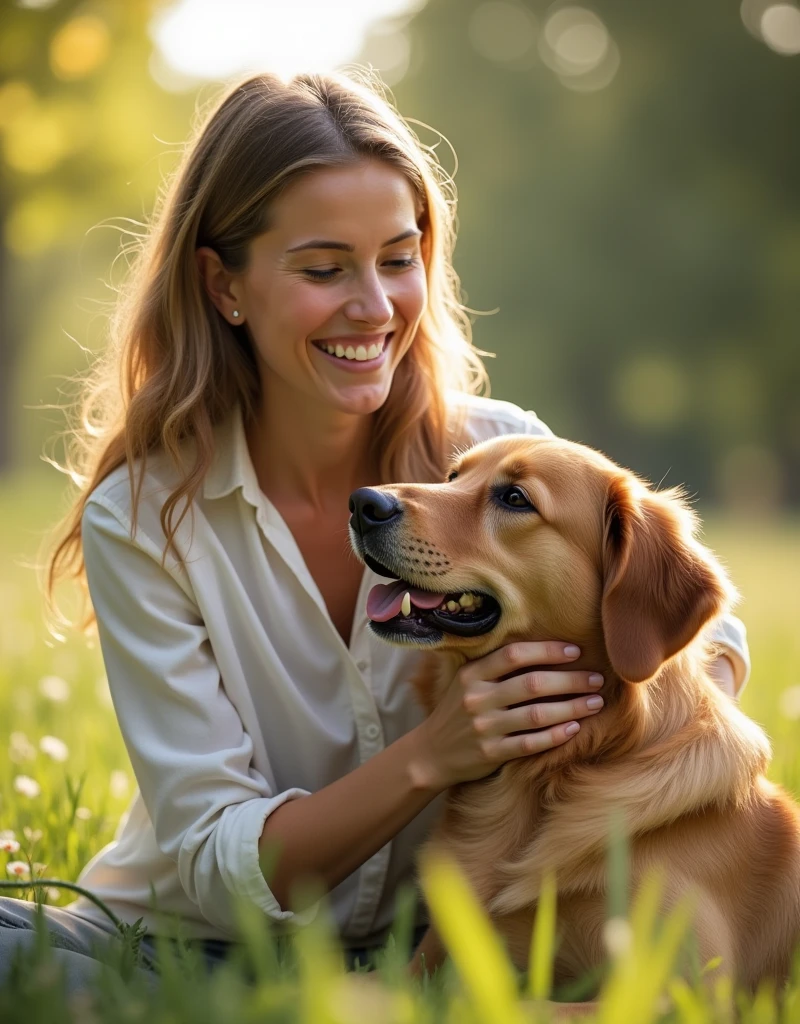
{"x":334,"y":290}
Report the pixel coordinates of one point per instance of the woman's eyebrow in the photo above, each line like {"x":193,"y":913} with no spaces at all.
{"x":321,"y":243}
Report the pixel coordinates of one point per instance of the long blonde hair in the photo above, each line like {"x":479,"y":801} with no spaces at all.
{"x":174,"y":367}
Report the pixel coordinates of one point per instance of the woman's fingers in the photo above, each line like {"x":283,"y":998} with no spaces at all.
{"x":515,"y":657}
{"x":537,"y":716}
{"x":539,"y":683}
{"x":527,"y":743}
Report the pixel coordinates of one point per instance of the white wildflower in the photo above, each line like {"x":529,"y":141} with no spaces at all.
{"x":52,"y":893}
{"x":18,"y":869}
{"x":9,"y":846}
{"x":20,"y":748}
{"x":789,"y":703}
{"x":54,"y":747}
{"x":7,"y":834}
{"x":27,"y":786}
{"x":38,"y":867}
{"x":83,"y":813}
{"x":33,"y":835}
{"x":119,"y":784}
{"x":617,"y":936}
{"x":54,"y":688}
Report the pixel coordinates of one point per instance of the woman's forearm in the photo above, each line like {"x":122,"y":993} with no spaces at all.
{"x":329,"y":834}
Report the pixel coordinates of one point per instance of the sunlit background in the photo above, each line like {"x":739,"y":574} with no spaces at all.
{"x":629,"y":200}
{"x":629,"y":181}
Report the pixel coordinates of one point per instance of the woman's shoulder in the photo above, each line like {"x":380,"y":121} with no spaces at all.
{"x":159,"y":478}
{"x":484,"y":418}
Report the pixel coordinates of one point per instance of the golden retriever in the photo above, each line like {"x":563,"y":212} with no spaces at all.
{"x":560,"y":543}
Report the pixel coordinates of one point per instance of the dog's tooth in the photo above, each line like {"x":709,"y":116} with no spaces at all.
{"x":466,"y":600}
{"x":453,"y":606}
{"x":478,"y":601}
{"x":405,"y":607}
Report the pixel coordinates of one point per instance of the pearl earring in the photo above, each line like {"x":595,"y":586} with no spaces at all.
{"x":236,"y":313}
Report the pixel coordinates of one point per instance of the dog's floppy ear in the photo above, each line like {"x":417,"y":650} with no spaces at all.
{"x":660,"y":586}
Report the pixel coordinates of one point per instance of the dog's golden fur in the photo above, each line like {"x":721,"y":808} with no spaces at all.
{"x":613,"y":567}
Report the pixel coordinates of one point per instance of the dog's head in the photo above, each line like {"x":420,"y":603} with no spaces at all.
{"x":532,"y":538}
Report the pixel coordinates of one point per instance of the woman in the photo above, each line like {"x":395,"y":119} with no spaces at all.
{"x":292,"y":332}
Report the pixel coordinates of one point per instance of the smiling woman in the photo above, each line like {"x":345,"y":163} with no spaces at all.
{"x":291,"y":334}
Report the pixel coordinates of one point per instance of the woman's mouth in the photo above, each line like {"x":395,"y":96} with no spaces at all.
{"x":352,"y":353}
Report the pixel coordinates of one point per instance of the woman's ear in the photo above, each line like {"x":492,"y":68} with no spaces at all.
{"x":219,"y":284}
{"x":660,"y":586}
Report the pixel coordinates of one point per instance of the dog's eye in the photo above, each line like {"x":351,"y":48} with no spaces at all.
{"x":452,"y":476}
{"x":514,"y":497}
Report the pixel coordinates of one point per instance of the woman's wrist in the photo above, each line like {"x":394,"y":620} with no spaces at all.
{"x":425,"y":771}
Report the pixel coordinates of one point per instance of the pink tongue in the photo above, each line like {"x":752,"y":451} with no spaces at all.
{"x":384,"y":599}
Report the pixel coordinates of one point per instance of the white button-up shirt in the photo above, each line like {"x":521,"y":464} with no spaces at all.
{"x":235,"y":692}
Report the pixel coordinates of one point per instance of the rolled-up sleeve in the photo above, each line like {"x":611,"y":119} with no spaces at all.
{"x":731,"y":635}
{"x":190,"y":752}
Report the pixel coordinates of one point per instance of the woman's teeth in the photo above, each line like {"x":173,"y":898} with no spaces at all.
{"x":360,"y":352}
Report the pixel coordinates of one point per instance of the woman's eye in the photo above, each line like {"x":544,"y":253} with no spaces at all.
{"x":515,"y":497}
{"x":412,"y":261}
{"x":321,"y":275}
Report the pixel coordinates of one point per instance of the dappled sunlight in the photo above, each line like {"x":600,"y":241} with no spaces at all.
{"x":200,"y":39}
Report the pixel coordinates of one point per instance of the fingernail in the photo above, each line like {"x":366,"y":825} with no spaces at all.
{"x":572,"y":728}
{"x":594,"y":702}
{"x":595,"y":679}
{"x":572,"y":651}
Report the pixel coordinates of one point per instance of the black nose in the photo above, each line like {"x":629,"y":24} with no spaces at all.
{"x":372,"y":508}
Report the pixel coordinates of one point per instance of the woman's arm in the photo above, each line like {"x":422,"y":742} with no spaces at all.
{"x":329,"y":834}
{"x":193,"y":759}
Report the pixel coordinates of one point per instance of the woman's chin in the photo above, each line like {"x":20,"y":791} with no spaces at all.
{"x":361,"y":399}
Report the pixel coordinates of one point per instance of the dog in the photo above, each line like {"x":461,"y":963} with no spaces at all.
{"x":551,"y":539}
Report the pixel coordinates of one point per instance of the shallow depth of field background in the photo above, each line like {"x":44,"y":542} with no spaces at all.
{"x":629,"y":181}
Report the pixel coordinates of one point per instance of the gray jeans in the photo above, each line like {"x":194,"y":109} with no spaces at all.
{"x":78,"y":945}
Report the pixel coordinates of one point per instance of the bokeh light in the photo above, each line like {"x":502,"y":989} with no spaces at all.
{"x":502,"y":31}
{"x":204,"y":39}
{"x":651,"y":391}
{"x":576,"y":44}
{"x":79,"y":47}
{"x":780,"y":28}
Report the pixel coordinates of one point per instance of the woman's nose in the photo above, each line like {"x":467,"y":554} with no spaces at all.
{"x":370,"y":303}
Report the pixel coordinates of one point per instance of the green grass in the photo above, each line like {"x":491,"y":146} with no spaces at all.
{"x":55,"y":689}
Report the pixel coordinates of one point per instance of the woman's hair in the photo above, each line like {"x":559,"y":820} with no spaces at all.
{"x":174,"y":367}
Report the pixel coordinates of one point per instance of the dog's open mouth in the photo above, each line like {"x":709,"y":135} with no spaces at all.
{"x":403,"y":612}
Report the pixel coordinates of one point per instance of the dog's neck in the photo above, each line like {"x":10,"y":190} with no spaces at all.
{"x":668,"y":748}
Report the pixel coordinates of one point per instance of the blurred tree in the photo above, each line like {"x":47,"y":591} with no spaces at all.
{"x":641,"y":238}
{"x":80,"y":116}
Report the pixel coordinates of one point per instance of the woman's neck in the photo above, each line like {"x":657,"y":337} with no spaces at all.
{"x":309,"y":454}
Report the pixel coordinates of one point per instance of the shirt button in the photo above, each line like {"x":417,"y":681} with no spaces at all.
{"x":362,"y":665}
{"x":372,"y":731}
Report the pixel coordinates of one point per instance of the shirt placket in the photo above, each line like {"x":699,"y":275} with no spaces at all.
{"x":372,"y":874}
{"x":358,"y":673}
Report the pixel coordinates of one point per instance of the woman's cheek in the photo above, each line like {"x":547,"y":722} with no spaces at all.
{"x":412,"y":297}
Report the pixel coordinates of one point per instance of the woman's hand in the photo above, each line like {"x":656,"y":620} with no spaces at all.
{"x":475,"y":727}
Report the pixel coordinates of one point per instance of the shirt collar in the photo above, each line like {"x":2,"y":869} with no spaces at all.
{"x":232,"y":466}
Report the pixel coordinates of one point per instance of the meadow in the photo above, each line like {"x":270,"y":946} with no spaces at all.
{"x":65,"y":781}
